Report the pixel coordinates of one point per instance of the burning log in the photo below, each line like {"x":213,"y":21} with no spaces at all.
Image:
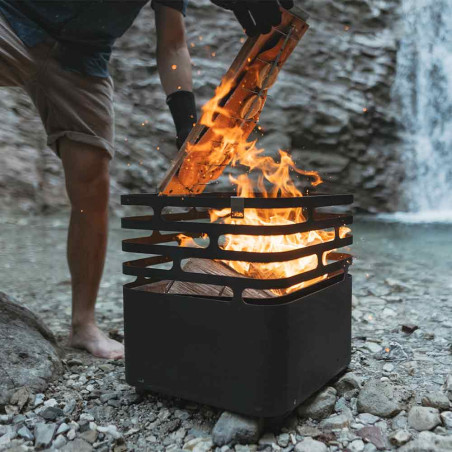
{"x":206,"y":267}
{"x":230,"y":117}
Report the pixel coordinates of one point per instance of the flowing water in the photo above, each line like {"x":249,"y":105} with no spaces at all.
{"x":424,"y":86}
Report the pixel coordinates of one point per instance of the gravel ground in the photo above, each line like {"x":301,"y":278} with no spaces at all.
{"x":396,"y":393}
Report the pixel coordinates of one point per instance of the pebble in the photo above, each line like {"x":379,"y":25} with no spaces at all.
{"x":43,"y":434}
{"x":374,"y":435}
{"x":39,"y":400}
{"x":310,"y":445}
{"x":79,"y":445}
{"x":367,"y":418}
{"x":428,"y":442}
{"x":25,"y":433}
{"x":202,"y":444}
{"x":446,"y":417}
{"x":110,"y":430}
{"x":63,"y":428}
{"x":423,"y":418}
{"x":400,"y":437}
{"x":69,"y":407}
{"x":51,"y":413}
{"x":356,"y":446}
{"x":337,"y":421}
{"x":71,"y":434}
{"x":59,"y":442}
{"x":267,"y":439}
{"x":307,"y":430}
{"x":372,"y":347}
{"x":320,"y":405}
{"x":235,"y":428}
{"x":436,"y":400}
{"x":448,"y":386}
{"x":283,"y":440}
{"x":379,"y":398}
{"x":89,"y":436}
{"x":348,"y":382}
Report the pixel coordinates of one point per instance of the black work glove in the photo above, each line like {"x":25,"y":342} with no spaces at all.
{"x":256,"y":16}
{"x":183,"y":110}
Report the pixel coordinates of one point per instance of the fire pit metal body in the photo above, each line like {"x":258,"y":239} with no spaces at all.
{"x":259,"y":357}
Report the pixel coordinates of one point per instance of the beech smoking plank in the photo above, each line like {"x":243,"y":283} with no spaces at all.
{"x":251,"y":74}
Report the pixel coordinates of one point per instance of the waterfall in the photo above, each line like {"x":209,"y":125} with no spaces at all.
{"x":424,"y":88}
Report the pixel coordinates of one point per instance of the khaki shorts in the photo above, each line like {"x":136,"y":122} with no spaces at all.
{"x":71,"y":105}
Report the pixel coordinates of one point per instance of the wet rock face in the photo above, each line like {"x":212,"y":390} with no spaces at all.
{"x":331,"y":106}
{"x":28,"y":355}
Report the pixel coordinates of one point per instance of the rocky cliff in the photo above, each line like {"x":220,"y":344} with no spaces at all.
{"x":331,"y":107}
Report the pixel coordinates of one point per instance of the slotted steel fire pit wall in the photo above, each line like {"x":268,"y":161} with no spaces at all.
{"x":259,"y":357}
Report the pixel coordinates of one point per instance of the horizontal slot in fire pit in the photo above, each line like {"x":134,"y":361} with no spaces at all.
{"x":198,"y":329}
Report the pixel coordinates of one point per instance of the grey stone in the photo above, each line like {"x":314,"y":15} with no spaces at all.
{"x":51,"y":413}
{"x":267,"y":439}
{"x":436,"y":400}
{"x":379,"y":398}
{"x":367,"y":418}
{"x":446,"y":417}
{"x":374,"y":435}
{"x":25,"y":433}
{"x":283,"y":440}
{"x":29,"y":354}
{"x":78,"y":445}
{"x":320,"y":405}
{"x":428,"y":442}
{"x":89,"y":436}
{"x":423,"y":418}
{"x":400,"y":437}
{"x":235,"y":428}
{"x":59,"y":442}
{"x":310,"y":445}
{"x":69,"y":407}
{"x":400,"y":421}
{"x":307,"y":430}
{"x":348,"y":382}
{"x":63,"y":428}
{"x":448,"y":386}
{"x":356,"y":446}
{"x":44,"y":434}
{"x":110,"y":430}
{"x":337,"y":421}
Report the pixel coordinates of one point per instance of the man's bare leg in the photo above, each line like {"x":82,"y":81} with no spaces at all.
{"x":87,"y":184}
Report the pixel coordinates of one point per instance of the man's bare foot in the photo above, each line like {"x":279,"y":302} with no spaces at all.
{"x":92,"y":339}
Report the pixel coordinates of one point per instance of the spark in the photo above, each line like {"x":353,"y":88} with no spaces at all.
{"x":174,"y":67}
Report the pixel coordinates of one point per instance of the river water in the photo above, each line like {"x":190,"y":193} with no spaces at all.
{"x":33,"y":263}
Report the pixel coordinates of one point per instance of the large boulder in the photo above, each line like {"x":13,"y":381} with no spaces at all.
{"x":29,"y":355}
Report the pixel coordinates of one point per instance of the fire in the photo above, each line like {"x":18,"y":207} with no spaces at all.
{"x":274,"y":180}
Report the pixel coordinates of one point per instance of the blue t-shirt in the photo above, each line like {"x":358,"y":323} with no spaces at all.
{"x":85,"y":29}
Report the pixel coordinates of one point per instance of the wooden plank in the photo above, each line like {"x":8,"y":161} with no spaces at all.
{"x":209,"y":267}
{"x":202,"y":158}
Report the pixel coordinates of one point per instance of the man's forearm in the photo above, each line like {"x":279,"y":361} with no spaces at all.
{"x":174,"y":68}
{"x":173,"y":58}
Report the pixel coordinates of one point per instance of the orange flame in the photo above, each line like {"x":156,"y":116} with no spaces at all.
{"x":274,"y":180}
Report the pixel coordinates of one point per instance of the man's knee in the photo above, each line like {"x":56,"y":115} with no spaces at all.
{"x":87,"y":175}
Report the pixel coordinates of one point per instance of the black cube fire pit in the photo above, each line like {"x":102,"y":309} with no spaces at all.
{"x":230,"y":346}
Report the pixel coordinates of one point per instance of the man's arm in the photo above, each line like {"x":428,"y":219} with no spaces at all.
{"x":173,"y":58}
{"x":174,"y":66}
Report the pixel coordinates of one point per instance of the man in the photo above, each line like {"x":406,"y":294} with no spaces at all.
{"x":58,"y":51}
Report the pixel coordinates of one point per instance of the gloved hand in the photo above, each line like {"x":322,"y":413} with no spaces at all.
{"x":256,"y":16}
{"x":183,"y":110}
